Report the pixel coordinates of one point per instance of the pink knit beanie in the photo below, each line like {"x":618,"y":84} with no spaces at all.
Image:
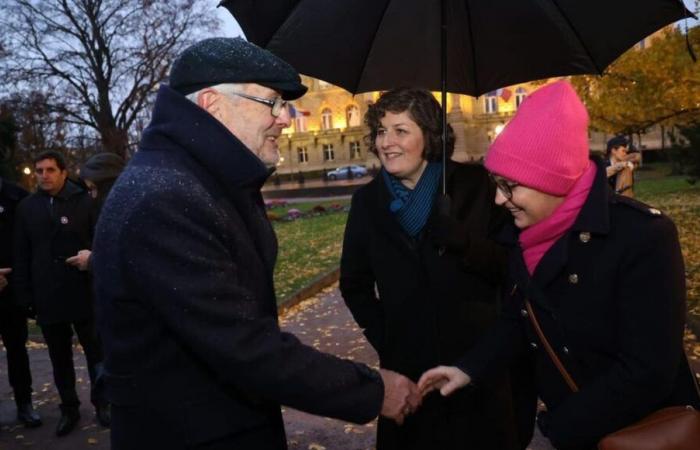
{"x":545,"y":145}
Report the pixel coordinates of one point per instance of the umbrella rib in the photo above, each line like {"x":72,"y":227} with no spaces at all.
{"x":471,"y":42}
{"x":578,"y":37}
{"x":364,"y":64}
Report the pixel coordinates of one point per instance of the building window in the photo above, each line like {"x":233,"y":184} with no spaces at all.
{"x":303,"y":155}
{"x":300,"y":123}
{"x":520,"y":94}
{"x":352,"y":116}
{"x":326,"y":119}
{"x":328,"y":153}
{"x":491,"y":102}
{"x":355,"y":150}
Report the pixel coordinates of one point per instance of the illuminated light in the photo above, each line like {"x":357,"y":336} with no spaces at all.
{"x":498,"y":129}
{"x":27,"y":171}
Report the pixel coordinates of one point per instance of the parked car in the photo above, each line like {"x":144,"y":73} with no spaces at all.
{"x":345,"y":172}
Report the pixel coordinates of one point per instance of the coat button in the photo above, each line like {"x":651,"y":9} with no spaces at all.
{"x":573,"y":278}
{"x":533,"y":345}
{"x":523,"y":312}
{"x":585,"y":236}
{"x":566,"y":350}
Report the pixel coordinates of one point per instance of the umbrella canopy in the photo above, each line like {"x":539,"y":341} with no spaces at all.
{"x":369,"y":45}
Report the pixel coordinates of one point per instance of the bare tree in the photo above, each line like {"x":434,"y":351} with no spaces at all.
{"x":100,"y":59}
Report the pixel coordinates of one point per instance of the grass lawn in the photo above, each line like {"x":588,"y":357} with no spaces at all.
{"x":307,"y":248}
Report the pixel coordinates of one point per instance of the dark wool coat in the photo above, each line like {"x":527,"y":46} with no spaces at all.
{"x":10,"y":196}
{"x":48,"y":230}
{"x":183,"y":265}
{"x":610,"y":297}
{"x":429,"y":308}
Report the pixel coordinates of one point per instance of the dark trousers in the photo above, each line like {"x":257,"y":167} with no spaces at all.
{"x":13,"y":328}
{"x":59,"y":339}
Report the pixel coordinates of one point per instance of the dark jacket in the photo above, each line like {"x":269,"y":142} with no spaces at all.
{"x":183,"y":264}
{"x":610,"y":297}
{"x":10,"y":196}
{"x":48,"y":230}
{"x":431,"y":307}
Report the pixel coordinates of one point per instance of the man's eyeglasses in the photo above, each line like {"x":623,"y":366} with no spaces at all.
{"x":504,"y":185}
{"x":276,"y":104}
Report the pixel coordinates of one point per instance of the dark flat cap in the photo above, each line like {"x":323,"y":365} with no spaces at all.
{"x":102,"y":166}
{"x":233,"y":60}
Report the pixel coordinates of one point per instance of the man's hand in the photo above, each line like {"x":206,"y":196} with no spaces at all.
{"x":401,"y":396}
{"x":445,"y":378}
{"x":81,"y":260}
{"x":4,"y":271}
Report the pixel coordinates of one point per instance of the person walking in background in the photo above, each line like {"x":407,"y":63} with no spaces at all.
{"x":13,"y":318}
{"x":421,"y":276}
{"x":53,"y":224}
{"x":601,"y":274}
{"x":183,"y":262}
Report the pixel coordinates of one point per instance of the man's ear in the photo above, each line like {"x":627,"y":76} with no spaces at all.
{"x":208,"y":99}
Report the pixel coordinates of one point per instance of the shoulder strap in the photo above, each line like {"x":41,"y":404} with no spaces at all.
{"x":548,"y":348}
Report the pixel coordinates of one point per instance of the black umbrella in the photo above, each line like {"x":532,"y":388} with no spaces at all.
{"x":370,"y":45}
{"x":462,"y":46}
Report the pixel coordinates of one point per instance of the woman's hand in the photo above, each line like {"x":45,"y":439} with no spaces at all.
{"x":445,"y":378}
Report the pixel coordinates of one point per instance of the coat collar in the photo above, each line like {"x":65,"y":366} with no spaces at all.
{"x":386,"y":220}
{"x":70,"y":188}
{"x":178,"y":121}
{"x":594,"y":218}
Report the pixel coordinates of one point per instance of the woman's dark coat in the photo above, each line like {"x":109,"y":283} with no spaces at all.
{"x":48,"y":230}
{"x":431,"y":307}
{"x":183,"y":263}
{"x":610,"y":297}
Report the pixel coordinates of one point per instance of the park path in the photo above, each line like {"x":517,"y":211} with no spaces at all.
{"x":321,"y":321}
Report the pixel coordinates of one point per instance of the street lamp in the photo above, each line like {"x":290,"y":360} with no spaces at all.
{"x":27,"y":170}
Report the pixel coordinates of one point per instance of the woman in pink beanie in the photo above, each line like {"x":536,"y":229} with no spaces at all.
{"x":601,"y":274}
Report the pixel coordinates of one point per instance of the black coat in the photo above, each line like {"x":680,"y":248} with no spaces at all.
{"x":48,"y":230}
{"x":10,"y":196}
{"x":431,"y":308}
{"x":183,"y":265}
{"x":610,"y":297}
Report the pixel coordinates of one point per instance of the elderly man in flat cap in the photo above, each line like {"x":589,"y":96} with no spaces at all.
{"x":183,"y":264}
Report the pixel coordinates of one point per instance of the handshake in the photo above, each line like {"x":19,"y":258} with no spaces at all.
{"x":402,"y":397}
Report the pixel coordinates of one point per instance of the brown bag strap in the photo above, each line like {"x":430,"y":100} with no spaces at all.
{"x":548,"y":348}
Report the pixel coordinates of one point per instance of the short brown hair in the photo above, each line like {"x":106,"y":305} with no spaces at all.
{"x":422,"y":108}
{"x":51,"y":154}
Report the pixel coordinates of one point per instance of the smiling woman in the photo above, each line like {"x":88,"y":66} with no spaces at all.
{"x":421,"y":279}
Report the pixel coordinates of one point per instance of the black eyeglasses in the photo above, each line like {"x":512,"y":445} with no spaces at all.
{"x":276,"y":104}
{"x":504,"y":185}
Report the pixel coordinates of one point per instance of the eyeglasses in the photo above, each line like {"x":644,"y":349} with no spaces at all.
{"x":276,"y":104}
{"x":504,"y":185}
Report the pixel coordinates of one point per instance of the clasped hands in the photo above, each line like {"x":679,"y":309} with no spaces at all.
{"x":402,"y":397}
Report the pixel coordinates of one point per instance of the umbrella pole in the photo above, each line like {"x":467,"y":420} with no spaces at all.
{"x":443,"y":82}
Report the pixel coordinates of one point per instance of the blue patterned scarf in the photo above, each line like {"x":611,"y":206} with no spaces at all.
{"x":412,"y":207}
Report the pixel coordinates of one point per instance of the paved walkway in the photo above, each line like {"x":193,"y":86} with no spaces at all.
{"x":322,"y":322}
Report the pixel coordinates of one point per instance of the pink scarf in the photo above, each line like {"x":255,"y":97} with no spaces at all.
{"x":537,"y":239}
